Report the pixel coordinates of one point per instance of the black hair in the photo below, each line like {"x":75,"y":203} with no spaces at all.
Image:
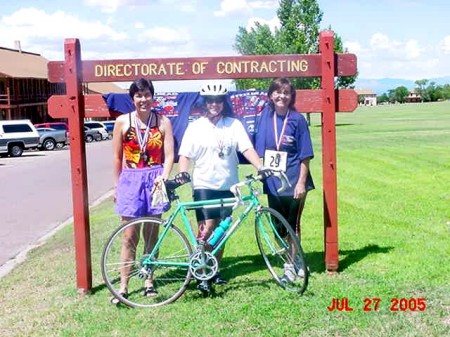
{"x":141,"y":84}
{"x":227,"y":110}
{"x":278,"y":84}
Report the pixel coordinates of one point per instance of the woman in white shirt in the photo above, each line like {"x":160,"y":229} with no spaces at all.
{"x":211,"y":144}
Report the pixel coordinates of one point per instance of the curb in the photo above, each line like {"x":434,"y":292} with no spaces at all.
{"x":22,"y":255}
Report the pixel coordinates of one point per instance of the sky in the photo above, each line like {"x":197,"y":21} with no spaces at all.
{"x":402,"y":39}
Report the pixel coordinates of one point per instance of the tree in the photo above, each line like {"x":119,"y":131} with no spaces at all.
{"x":446,"y":91}
{"x":383,"y":98}
{"x":298,"y":34}
{"x":400,"y":94}
{"x":258,"y":41}
{"x":421,"y":87}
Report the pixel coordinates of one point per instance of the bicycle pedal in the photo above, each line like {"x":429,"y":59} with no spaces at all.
{"x":204,"y":287}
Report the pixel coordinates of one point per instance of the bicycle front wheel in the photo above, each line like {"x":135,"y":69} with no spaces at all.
{"x":281,"y":250}
{"x":149,"y":259}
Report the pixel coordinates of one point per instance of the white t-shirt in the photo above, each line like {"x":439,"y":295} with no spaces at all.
{"x":213,"y":148}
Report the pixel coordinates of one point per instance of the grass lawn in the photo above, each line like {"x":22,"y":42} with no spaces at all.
{"x":394,"y":249}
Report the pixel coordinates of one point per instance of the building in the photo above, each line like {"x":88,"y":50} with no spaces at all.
{"x":366,"y":97}
{"x":414,"y":97}
{"x":25,"y":89}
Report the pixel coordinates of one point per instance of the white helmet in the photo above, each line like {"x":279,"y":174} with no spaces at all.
{"x":213,"y":89}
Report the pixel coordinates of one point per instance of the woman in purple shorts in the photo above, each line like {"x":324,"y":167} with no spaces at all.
{"x":143,"y":151}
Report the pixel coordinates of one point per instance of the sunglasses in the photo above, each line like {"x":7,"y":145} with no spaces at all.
{"x":211,"y":100}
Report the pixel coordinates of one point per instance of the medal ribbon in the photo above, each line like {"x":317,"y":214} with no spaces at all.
{"x":275,"y":129}
{"x":142,"y":139}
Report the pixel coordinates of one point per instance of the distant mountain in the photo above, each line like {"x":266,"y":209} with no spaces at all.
{"x":380,"y":86}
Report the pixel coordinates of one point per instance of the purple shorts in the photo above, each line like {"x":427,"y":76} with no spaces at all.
{"x":133,"y":193}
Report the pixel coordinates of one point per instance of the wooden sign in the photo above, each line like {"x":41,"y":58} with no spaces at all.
{"x":75,"y":106}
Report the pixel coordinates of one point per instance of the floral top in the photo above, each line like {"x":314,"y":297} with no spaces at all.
{"x":153,"y":151}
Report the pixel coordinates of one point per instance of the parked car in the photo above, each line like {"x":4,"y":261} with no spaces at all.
{"x":16,"y":136}
{"x":53,"y":125}
{"x":99,"y":127}
{"x":109,"y":126}
{"x":51,"y":138}
{"x":91,"y":134}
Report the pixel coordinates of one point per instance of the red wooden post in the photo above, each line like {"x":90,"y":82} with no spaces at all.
{"x":326,"y":45}
{"x":75,"y":114}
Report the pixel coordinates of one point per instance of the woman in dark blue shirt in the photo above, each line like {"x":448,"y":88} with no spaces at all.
{"x":282,"y":138}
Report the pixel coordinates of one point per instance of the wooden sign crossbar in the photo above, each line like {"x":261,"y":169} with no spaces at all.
{"x":75,"y":107}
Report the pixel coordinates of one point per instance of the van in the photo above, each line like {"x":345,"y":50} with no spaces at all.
{"x":17,"y":136}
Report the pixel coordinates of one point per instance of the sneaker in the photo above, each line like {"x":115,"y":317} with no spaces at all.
{"x":298,"y":264}
{"x":289,"y":273}
{"x":218,"y":279}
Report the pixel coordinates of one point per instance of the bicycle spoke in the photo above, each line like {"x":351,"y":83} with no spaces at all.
{"x":162,"y":274}
{"x":281,"y":250}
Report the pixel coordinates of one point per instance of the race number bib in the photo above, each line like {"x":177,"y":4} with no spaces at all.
{"x":275,"y":160}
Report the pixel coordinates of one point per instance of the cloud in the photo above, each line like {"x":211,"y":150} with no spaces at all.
{"x":381,"y":56}
{"x":273,"y":23}
{"x":413,"y":51}
{"x":29,"y":23}
{"x":267,"y":4}
{"x":35,"y":29}
{"x":445,"y":45}
{"x":111,"y":6}
{"x":233,"y":7}
{"x":166,"y":36}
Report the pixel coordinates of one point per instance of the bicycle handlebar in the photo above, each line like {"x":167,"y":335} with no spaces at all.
{"x":250,"y":179}
{"x":173,"y":184}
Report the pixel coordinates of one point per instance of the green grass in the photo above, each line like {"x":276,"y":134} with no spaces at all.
{"x":394,"y":242}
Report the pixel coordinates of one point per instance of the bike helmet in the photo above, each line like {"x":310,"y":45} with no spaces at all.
{"x":213,"y":89}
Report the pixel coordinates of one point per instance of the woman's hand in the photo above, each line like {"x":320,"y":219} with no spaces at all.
{"x":299,"y":191}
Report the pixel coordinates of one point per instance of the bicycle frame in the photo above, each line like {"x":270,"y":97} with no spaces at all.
{"x":250,"y":202}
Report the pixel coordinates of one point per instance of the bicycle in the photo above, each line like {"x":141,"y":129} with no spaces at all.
{"x":176,"y":258}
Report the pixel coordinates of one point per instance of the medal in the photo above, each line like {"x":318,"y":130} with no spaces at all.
{"x":220,"y":139}
{"x":142,"y":139}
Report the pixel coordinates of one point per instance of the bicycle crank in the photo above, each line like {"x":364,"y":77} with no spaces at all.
{"x":203,"y":265}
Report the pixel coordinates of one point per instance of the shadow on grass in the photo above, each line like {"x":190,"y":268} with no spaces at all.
{"x":241,"y":265}
{"x":236,"y":266}
{"x":316,"y":260}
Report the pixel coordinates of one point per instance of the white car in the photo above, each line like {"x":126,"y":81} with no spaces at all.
{"x":16,"y":136}
{"x":99,"y":126}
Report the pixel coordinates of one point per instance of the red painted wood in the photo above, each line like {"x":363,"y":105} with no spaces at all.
{"x":308,"y":101}
{"x":231,"y":67}
{"x":95,"y":106}
{"x":75,"y":114}
{"x":326,"y":45}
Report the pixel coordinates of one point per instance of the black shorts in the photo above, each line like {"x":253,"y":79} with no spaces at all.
{"x":212,"y":213}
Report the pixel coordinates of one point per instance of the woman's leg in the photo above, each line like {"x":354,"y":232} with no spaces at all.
{"x":150,"y":234}
{"x":130,"y":240}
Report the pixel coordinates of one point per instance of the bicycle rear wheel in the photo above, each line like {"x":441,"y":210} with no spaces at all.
{"x":281,"y":250}
{"x":166,"y":263}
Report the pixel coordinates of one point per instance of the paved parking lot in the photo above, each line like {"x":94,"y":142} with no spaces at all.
{"x":36,"y":195}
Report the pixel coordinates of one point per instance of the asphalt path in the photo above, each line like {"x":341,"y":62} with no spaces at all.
{"x":36,"y":196}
